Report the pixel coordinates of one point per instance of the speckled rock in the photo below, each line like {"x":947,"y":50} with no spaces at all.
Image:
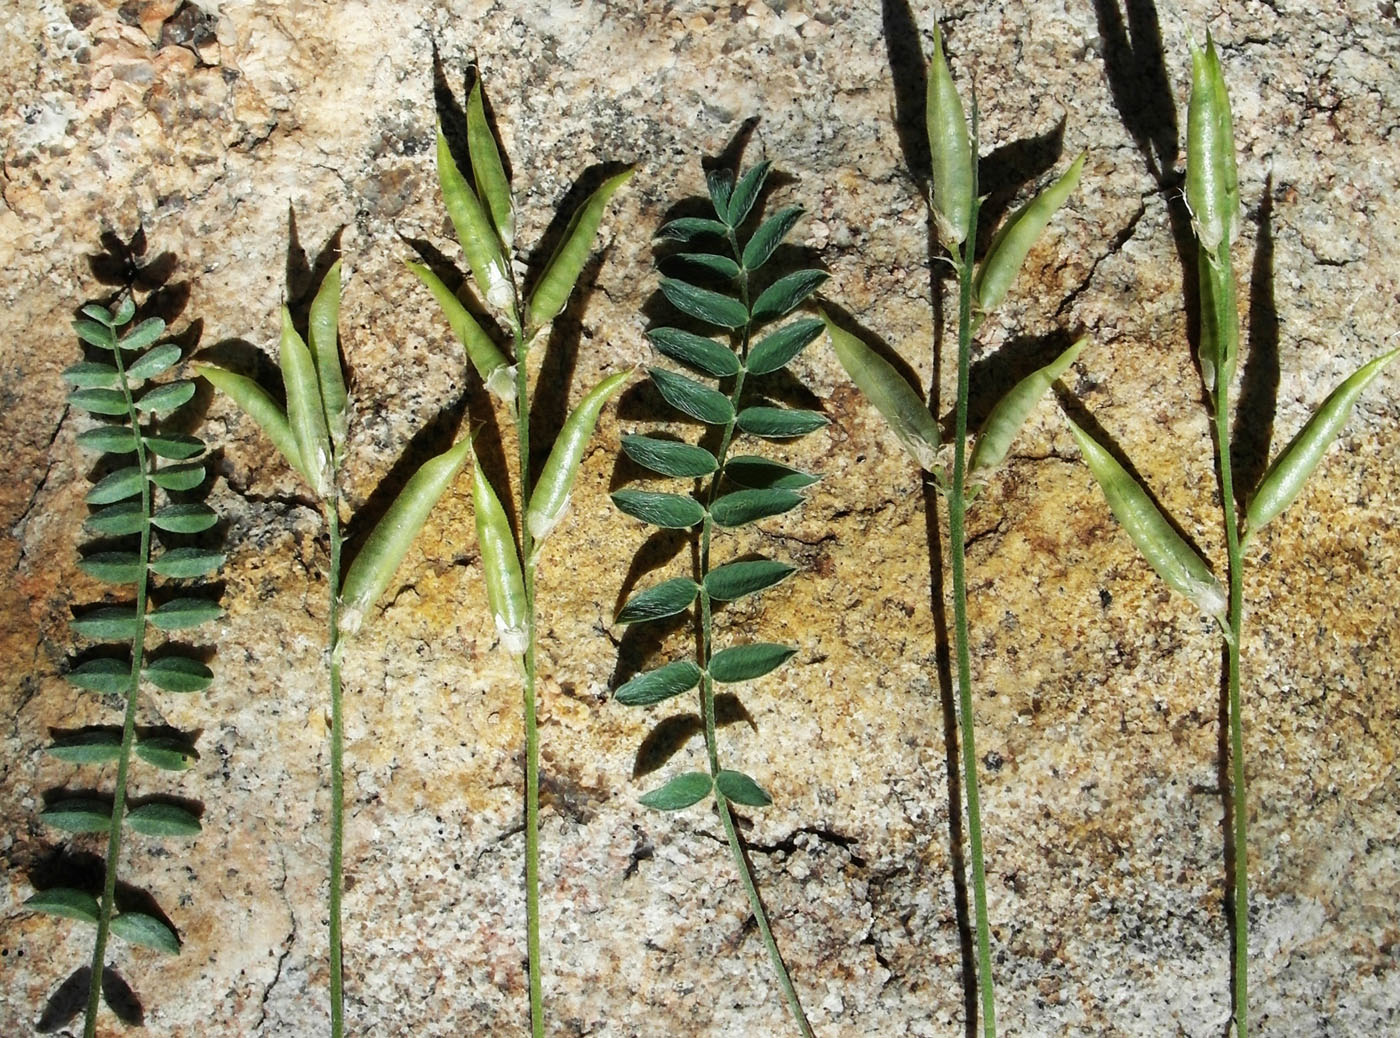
{"x":246,"y":140}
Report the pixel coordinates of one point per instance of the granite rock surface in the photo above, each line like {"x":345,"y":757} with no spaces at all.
{"x":226,"y":150}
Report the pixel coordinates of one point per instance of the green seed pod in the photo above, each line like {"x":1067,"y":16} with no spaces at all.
{"x":1285,"y":478}
{"x":496,"y":372}
{"x":951,"y":150}
{"x":550,"y":498}
{"x":388,"y":543}
{"x":304,"y":412}
{"x":258,"y":404}
{"x":557,"y":282}
{"x":902,"y":408}
{"x":1013,"y":242}
{"x":1212,"y":184}
{"x":478,"y":238}
{"x":500,"y":563}
{"x":1175,"y":561}
{"x":490,"y":174}
{"x":1012,"y":410}
{"x":325,"y":350}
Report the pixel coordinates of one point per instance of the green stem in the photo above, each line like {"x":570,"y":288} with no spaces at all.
{"x":138,"y":647}
{"x":337,"y":774}
{"x":707,"y":689}
{"x":532,"y":735}
{"x":957,"y":514}
{"x":1227,"y":321}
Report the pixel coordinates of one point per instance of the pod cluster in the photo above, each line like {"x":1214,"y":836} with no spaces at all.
{"x":482,"y":212}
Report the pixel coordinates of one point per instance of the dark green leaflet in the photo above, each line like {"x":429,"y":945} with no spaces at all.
{"x":780,"y":423}
{"x":669,"y":457}
{"x":665,"y":599}
{"x":669,"y":511}
{"x":734,"y":580}
{"x":680,"y":792}
{"x":746,"y":662}
{"x":746,"y":506}
{"x":761,"y":474}
{"x":693,"y":398}
{"x":657,"y":685}
{"x":704,"y":355}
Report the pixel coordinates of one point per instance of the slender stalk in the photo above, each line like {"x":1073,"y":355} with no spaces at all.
{"x":1227,"y":322}
{"x":957,"y":513}
{"x":337,"y":774}
{"x":532,"y":735}
{"x":138,"y":647}
{"x":707,"y":688}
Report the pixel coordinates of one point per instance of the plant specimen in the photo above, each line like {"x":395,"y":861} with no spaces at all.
{"x":311,"y":435}
{"x":483,"y":214}
{"x":981,"y":287}
{"x":1212,"y":194}
{"x":729,"y":491}
{"x":141,"y":521}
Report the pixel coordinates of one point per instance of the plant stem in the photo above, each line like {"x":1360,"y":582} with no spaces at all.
{"x":337,"y":774}
{"x":957,"y":512}
{"x":532,"y":735}
{"x":1227,"y":321}
{"x":138,"y":647}
{"x":707,"y":688}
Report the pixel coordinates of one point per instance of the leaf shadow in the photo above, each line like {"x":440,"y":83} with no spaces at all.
{"x":904,"y":51}
{"x":121,"y":999}
{"x":1258,"y":402}
{"x":910,"y":86}
{"x":206,"y":590}
{"x":783,"y":387}
{"x":669,"y":736}
{"x":304,"y":276}
{"x":732,"y":154}
{"x":656,"y":551}
{"x":1005,"y":170}
{"x":243,"y":358}
{"x":84,"y":870}
{"x":64,"y":866}
{"x":122,"y":263}
{"x":66,"y":1002}
{"x":642,"y":642}
{"x":549,"y":404}
{"x":69,"y":999}
{"x":462,"y":287}
{"x":1136,"y":69}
